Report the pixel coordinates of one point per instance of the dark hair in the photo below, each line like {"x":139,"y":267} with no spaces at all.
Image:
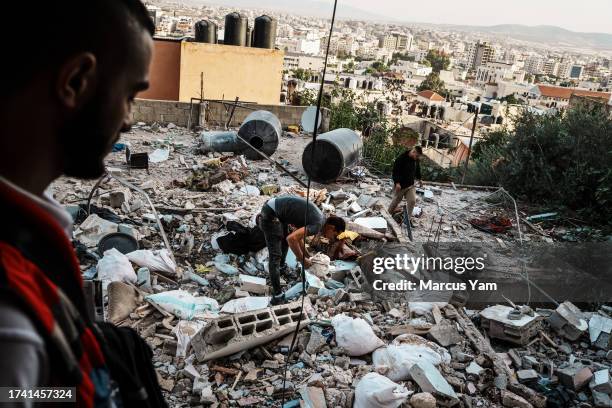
{"x":56,"y":30}
{"x":418,"y":149}
{"x":336,"y":222}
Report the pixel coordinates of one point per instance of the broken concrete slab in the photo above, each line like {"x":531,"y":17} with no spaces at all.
{"x":601,"y":382}
{"x":511,"y":400}
{"x":495,"y":321}
{"x":376,"y":223}
{"x":474,"y":369}
{"x":427,"y":376}
{"x":527,"y":375}
{"x":574,"y":377}
{"x":600,"y":330}
{"x":568,"y":321}
{"x":230,"y":334}
{"x":313,"y":397}
{"x":316,"y":342}
{"x":602,"y":400}
{"x":253,"y":284}
{"x":445,"y":334}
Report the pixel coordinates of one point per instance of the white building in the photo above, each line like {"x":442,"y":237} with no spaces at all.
{"x":411,"y":69}
{"x":534,"y":65}
{"x":492,"y":72}
{"x":294,"y":61}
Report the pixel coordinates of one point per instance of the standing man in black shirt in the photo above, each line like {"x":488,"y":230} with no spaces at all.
{"x":406,"y":170}
{"x":274,"y":220}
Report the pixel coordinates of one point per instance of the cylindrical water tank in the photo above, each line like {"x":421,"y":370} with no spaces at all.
{"x":206,"y":32}
{"x":334,"y":152}
{"x":265,"y":32}
{"x":218,"y":141}
{"x":235,"y":29}
{"x":263,"y":131}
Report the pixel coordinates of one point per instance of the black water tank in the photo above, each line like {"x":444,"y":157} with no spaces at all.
{"x":265,"y":32}
{"x":334,"y":153}
{"x":206,"y":32}
{"x":235,"y":29}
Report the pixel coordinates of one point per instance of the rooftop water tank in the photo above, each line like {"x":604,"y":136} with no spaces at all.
{"x":264,"y":35}
{"x":235,"y":29}
{"x":206,"y":32}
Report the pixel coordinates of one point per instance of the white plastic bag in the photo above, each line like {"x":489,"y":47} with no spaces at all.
{"x":184,"y":331}
{"x":158,"y":261}
{"x":405,"y":351}
{"x":185,"y":306}
{"x":93,"y":229}
{"x":246,"y":304}
{"x":320,"y":266}
{"x":377,"y":391}
{"x":355,"y":335}
{"x":114,"y":266}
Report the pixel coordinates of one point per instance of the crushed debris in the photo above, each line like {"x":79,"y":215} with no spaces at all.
{"x":201,"y":299}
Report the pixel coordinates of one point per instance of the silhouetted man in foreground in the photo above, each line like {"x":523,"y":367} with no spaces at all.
{"x":69,"y":77}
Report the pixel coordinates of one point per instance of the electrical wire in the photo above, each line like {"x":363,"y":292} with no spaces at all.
{"x":312,"y":157}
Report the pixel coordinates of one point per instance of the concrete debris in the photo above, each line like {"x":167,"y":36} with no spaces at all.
{"x":601,"y":381}
{"x":216,"y":340}
{"x":575,"y":376}
{"x":429,"y":379}
{"x":423,"y":400}
{"x":497,"y":324}
{"x":445,"y":334}
{"x":568,"y":321}
{"x":512,"y":400}
{"x":313,"y":397}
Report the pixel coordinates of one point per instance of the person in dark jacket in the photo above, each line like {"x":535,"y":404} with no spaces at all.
{"x":65,"y":97}
{"x":406,"y":172}
{"x":276,"y":216}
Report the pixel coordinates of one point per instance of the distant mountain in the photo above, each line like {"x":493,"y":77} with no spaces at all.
{"x":311,"y":8}
{"x":545,"y":34}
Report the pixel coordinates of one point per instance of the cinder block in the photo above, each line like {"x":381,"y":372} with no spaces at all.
{"x":221,"y":330}
{"x":252,"y":329}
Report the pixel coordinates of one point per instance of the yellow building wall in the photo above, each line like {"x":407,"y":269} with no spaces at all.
{"x":252,"y":74}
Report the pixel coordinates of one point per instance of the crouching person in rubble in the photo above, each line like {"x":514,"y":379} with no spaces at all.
{"x":274,"y":220}
{"x":64,"y":100}
{"x":406,"y":172}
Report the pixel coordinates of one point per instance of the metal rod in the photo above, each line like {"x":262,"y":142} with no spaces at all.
{"x":467,"y":161}
{"x":232,"y":113}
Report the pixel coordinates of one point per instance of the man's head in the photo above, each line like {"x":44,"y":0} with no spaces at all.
{"x":416,"y":152}
{"x":333,"y":226}
{"x":80,"y":63}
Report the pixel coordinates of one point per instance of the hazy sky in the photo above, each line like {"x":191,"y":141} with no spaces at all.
{"x":576,"y":15}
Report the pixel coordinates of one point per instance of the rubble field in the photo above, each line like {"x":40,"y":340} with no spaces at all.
{"x":217,"y":341}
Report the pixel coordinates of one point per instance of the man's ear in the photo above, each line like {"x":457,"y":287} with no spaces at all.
{"x":77,"y":79}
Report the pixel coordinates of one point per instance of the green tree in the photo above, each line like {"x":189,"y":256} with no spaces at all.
{"x":511,"y":99}
{"x":433,"y":83}
{"x":301,"y":74}
{"x":438,"y":60}
{"x":561,"y":161}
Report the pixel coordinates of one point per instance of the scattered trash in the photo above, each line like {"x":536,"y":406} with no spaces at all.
{"x":156,"y":261}
{"x":376,"y":391}
{"x":247,"y":304}
{"x":114,"y":266}
{"x":355,"y":335}
{"x":184,"y":305}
